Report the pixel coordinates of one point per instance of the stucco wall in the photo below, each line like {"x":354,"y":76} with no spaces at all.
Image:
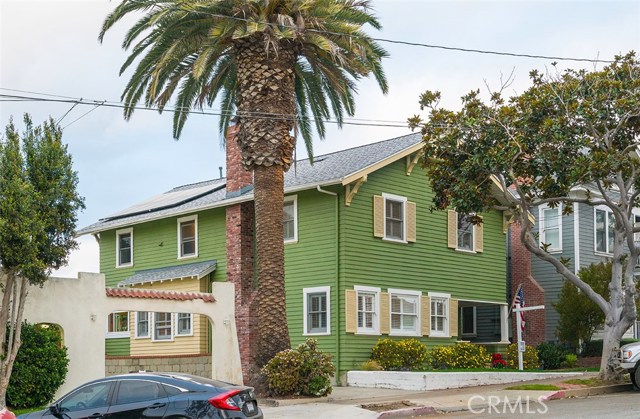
{"x":80,"y":306}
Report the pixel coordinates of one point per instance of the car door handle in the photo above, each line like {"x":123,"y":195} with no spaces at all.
{"x":157,"y":405}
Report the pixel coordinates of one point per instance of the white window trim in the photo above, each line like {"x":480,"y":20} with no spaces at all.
{"x":294,"y":199}
{"x":181,"y":220}
{"x":315,"y":290}
{"x":475,"y":322}
{"x":402,"y":199}
{"x":447,"y":330}
{"x":412,"y":293}
{"x":137,"y":335}
{"x":473,"y":237}
{"x":152,"y":329}
{"x":376,"y":318}
{"x":117,"y":335}
{"x":606,"y":210}
{"x":541,"y":229}
{"x":118,"y":233}
{"x":175,"y":318}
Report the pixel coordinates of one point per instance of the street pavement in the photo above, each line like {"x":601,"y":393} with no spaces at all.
{"x":485,"y":401}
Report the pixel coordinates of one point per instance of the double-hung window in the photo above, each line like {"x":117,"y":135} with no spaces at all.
{"x":551,"y":228}
{"x":162,"y":326}
{"x":604,"y":230}
{"x":316,"y":311}
{"x":465,"y":232}
{"x":405,"y":309}
{"x":142,"y":324}
{"x":394,"y":217}
{"x":184,"y":324}
{"x":290,"y":221}
{"x":118,"y":325}
{"x":439,"y":314}
{"x":188,"y":237}
{"x":124,"y":248}
{"x":368,"y":303}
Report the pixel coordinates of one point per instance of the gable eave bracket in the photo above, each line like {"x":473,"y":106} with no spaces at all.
{"x":353,"y":190}
{"x":508,"y":218}
{"x":412,"y":160}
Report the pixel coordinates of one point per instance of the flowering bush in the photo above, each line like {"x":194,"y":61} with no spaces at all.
{"x":530,"y":360}
{"x":304,"y":370}
{"x":400,"y":355}
{"x":498,"y":362}
{"x":460,"y":355}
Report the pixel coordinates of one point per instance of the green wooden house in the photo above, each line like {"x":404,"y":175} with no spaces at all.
{"x":365,"y":258}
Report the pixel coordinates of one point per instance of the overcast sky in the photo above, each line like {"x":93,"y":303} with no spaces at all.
{"x":50,"y":47}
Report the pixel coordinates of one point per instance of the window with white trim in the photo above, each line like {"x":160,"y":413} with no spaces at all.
{"x":468,"y":320}
{"x":162,"y":326}
{"x":184,"y":324}
{"x":316,"y":311}
{"x":368,"y":308}
{"x":142,"y":324}
{"x":118,"y":325}
{"x":604,"y":230}
{"x":124,"y":248}
{"x":188,"y":237}
{"x":550,"y":233}
{"x":636,"y":236}
{"x":439,"y":314}
{"x":395,"y":217}
{"x":465,"y":232}
{"x":290,"y":221}
{"x":405,"y":312}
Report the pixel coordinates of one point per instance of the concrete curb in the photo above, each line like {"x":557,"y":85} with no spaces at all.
{"x":291,"y":402}
{"x":408,"y":412}
{"x":588,"y":391}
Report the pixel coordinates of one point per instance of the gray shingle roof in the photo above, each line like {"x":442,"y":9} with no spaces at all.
{"x":198,"y":269}
{"x":327,"y":169}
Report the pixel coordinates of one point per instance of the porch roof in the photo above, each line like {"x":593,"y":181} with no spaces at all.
{"x":198,"y":270}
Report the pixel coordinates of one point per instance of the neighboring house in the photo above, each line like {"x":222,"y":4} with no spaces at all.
{"x":365,"y":258}
{"x":584,"y":236}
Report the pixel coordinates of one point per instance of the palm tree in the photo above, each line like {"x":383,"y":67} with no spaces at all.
{"x":281,"y":66}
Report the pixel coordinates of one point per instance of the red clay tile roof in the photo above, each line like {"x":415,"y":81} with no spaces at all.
{"x":161,"y":295}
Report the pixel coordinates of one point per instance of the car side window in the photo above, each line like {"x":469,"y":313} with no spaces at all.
{"x":133,"y":391}
{"x":171,"y":390}
{"x":87,"y":397}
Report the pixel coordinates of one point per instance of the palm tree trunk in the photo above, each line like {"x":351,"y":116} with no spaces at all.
{"x":266,"y":110}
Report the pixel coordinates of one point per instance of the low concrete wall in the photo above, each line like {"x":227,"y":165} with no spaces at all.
{"x":196,"y":365}
{"x":442,"y":380}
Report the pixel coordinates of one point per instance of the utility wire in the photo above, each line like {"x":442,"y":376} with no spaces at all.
{"x":67,"y":113}
{"x":84,"y":114}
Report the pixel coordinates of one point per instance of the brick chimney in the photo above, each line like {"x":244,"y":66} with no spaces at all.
{"x":520,"y":268}
{"x":240,"y":236}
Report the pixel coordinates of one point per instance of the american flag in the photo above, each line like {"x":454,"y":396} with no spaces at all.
{"x":519,"y":303}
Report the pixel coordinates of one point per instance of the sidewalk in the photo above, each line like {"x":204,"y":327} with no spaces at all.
{"x":348,"y":402}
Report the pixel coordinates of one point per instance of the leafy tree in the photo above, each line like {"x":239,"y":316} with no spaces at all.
{"x":570,"y":133}
{"x":38,"y":213}
{"x":580,"y":316}
{"x":279,"y":65}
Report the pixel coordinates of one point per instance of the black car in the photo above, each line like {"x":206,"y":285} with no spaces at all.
{"x":154,"y":395}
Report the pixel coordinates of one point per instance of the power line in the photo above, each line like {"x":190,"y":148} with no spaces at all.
{"x":419,"y":44}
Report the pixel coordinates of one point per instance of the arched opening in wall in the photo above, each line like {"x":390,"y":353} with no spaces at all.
{"x":158,"y":341}
{"x":55,"y":329}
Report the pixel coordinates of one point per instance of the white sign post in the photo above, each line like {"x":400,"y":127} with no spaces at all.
{"x":521,"y":344}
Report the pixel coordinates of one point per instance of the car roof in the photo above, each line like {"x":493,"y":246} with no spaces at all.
{"x":187,"y":381}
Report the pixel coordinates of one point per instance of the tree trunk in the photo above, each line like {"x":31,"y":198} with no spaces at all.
{"x":610,"y":341}
{"x":266,"y":110}
{"x":273,"y":332}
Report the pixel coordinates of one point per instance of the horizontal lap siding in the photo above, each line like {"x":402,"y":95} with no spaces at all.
{"x":117,"y":347}
{"x":312,"y":262}
{"x":426,"y":265}
{"x":155,"y":245}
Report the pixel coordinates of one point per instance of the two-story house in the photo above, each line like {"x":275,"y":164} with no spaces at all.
{"x":365,"y":258}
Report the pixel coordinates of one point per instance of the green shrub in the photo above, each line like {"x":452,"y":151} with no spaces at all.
{"x":530,"y":360}
{"x":460,"y":355}
{"x":40,"y":367}
{"x":571,"y":360}
{"x":371,"y":365}
{"x":551,"y":355}
{"x":301,"y":371}
{"x":400,"y":355}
